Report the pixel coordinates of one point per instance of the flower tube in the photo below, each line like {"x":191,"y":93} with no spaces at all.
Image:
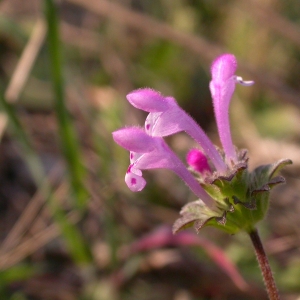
{"x":222,"y":87}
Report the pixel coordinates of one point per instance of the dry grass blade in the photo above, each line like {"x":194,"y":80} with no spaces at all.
{"x":29,"y":214}
{"x":26,"y":62}
{"x":32,"y":244}
{"x":3,"y":122}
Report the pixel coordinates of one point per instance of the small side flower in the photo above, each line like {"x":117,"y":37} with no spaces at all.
{"x":147,"y":152}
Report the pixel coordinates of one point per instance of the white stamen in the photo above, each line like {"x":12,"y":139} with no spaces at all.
{"x":240,"y":80}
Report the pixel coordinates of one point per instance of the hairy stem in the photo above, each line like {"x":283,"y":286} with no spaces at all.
{"x":264,"y":265}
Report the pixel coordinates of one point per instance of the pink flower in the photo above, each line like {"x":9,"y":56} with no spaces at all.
{"x":147,"y":152}
{"x":148,"y":149}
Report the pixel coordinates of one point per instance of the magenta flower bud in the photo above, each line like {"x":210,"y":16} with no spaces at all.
{"x":198,"y":161}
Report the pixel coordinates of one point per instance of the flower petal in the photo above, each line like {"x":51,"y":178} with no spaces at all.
{"x":148,"y":100}
{"x":223,"y":67}
{"x":135,"y":182}
{"x":133,"y":139}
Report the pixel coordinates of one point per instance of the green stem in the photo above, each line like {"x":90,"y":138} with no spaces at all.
{"x":264,"y":265}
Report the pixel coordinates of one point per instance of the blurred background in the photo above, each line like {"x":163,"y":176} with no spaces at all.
{"x":69,"y":226}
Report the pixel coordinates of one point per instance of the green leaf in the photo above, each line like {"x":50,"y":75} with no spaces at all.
{"x":191,"y":212}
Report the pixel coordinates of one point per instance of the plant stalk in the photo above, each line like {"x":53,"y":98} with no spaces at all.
{"x":264,"y":265}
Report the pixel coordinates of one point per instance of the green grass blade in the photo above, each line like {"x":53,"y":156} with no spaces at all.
{"x":67,"y":133}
